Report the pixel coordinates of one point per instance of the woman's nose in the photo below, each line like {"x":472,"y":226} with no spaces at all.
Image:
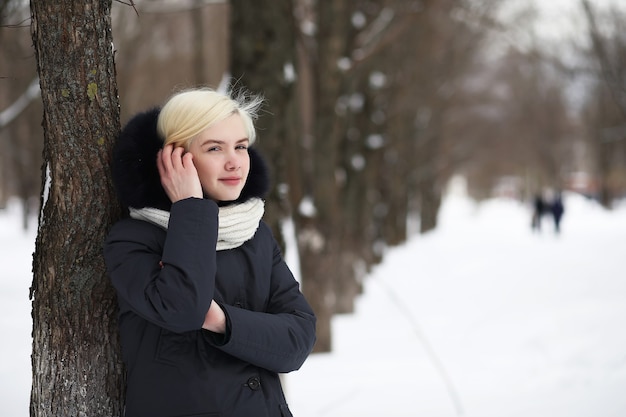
{"x":232,"y":163}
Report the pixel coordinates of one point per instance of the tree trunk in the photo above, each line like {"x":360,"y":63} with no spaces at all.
{"x":263,"y":46}
{"x":263,"y":60}
{"x":75,"y":360}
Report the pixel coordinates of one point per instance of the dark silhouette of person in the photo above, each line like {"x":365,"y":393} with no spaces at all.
{"x":557,"y":210}
{"x":539,"y":209}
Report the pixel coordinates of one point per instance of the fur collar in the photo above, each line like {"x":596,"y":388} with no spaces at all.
{"x":135,"y":173}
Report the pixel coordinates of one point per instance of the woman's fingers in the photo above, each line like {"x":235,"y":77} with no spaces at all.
{"x":165,"y":155}
{"x":176,"y":158}
{"x":178,"y":173}
{"x":172,"y":159}
{"x":187,"y":161}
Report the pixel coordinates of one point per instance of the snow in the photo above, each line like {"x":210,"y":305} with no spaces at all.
{"x":481,"y":317}
{"x":16,"y":248}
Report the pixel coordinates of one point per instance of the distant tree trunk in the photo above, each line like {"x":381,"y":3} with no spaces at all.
{"x":611,"y":68}
{"x":264,"y":51}
{"x":319,"y":235}
{"x":20,"y":112}
{"x":75,"y":360}
{"x":427,"y":177}
{"x":400,"y":161}
{"x":263,"y":60}
{"x":199,"y":61}
{"x":357,"y":230}
{"x":263,"y":47}
{"x":609,"y":52}
{"x":603,"y":112}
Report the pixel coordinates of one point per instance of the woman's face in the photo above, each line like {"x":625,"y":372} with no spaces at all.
{"x":220,"y":155}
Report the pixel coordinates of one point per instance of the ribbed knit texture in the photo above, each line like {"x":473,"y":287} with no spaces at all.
{"x":237,"y":223}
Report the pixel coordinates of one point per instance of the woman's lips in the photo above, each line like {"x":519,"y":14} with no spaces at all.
{"x":231,"y":180}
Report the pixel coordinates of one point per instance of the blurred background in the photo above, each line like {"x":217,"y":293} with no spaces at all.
{"x":372,"y":107}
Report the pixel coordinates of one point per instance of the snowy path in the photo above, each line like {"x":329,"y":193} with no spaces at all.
{"x":524,"y":325}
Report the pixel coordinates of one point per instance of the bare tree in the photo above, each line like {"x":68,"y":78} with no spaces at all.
{"x":20,"y":112}
{"x":6,"y":9}
{"x":75,"y":360}
{"x":355,"y":170}
{"x":606,"y":107}
{"x":164,"y":46}
{"x":264,"y":54}
{"x":264,"y":61}
{"x":609,"y":57}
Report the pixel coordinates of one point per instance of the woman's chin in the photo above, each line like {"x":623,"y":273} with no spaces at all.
{"x":227,"y":198}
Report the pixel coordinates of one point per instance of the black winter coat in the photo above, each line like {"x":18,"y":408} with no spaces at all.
{"x":165,"y":281}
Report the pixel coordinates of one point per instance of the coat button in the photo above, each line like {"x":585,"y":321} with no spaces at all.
{"x":254,"y":383}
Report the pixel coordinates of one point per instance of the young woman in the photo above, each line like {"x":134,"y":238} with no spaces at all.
{"x":210,"y":314}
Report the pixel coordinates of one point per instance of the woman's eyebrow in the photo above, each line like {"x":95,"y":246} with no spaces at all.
{"x":221,"y":142}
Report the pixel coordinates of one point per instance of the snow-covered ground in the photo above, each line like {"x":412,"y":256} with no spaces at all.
{"x":484,"y":318}
{"x":480,"y":318}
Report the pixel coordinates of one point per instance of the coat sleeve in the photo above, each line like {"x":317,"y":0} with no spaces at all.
{"x":170,"y":284}
{"x":281,"y":337}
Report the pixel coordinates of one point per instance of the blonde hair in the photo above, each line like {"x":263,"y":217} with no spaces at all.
{"x":189,"y":112}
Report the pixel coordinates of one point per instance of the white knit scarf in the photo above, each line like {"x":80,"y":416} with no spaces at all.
{"x":237,"y":223}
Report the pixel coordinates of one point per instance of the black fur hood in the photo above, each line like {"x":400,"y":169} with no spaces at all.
{"x":135,"y":174}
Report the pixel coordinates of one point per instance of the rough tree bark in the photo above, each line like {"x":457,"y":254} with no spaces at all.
{"x":75,"y":362}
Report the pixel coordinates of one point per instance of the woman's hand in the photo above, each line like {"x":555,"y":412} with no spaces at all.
{"x":178,"y":174}
{"x":215,"y":319}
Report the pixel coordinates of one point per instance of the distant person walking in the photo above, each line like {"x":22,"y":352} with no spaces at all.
{"x":557,"y":210}
{"x":538,"y":210}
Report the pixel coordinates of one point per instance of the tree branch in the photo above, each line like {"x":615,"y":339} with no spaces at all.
{"x":130,"y":3}
{"x":10,"y":113}
{"x":155,"y":6}
{"x":382,"y":33}
{"x":615,"y":87}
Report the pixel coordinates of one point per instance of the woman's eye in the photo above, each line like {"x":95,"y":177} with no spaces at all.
{"x":242,"y":147}
{"x":213,"y":149}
